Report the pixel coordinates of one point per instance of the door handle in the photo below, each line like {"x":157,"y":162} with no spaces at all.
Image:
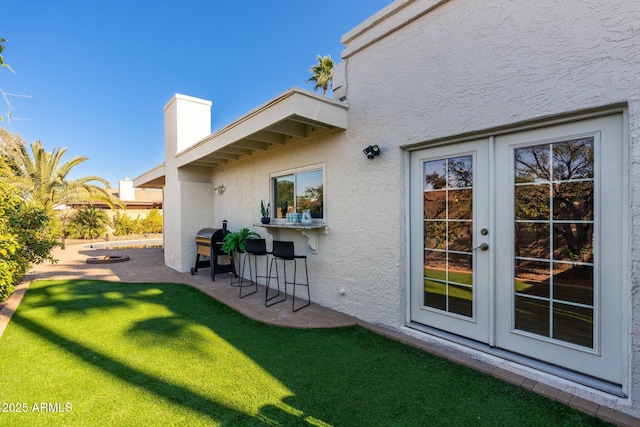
{"x":482,"y":247}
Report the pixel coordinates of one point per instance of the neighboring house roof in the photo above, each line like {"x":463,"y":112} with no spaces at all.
{"x":142,"y":195}
{"x":293,"y":116}
{"x":145,"y":199}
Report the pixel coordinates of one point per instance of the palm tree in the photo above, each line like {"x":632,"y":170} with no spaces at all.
{"x":322,"y":73}
{"x":88,"y":223}
{"x":42,"y":177}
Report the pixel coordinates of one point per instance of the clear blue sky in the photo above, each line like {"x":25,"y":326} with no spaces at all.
{"x":99,"y":73}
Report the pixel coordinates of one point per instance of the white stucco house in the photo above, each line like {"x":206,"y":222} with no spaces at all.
{"x":501,"y":215}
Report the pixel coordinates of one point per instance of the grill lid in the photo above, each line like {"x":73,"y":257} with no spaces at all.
{"x":211,"y":236}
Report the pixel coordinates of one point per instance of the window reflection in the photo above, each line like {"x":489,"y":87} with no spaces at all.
{"x":532,"y":202}
{"x":532,"y":240}
{"x":554,"y":230}
{"x":283,"y":199}
{"x":310,"y":193}
{"x":573,"y":242}
{"x":435,"y":235}
{"x":435,"y":173}
{"x":460,"y":203}
{"x":435,"y":204}
{"x":461,"y":300}
{"x":573,"y":200}
{"x":448,"y":234}
{"x":532,"y":164}
{"x":573,"y":283}
{"x":460,"y":236}
{"x":297,"y":192}
{"x":435,"y":294}
{"x":533,"y":278}
{"x":573,"y":324}
{"x":573,"y":160}
{"x":532,"y":315}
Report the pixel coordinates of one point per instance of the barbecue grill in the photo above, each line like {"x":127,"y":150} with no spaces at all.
{"x":209,"y":244}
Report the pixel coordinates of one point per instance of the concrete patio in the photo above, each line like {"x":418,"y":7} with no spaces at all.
{"x":147,"y":266}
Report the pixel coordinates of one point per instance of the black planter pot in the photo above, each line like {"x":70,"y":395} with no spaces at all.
{"x":265,"y":220}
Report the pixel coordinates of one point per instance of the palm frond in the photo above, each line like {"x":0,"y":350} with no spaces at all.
{"x":322,"y":73}
{"x":43,"y":176}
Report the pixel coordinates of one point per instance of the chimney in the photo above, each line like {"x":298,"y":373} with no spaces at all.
{"x":127,"y":193}
{"x":187,"y":120}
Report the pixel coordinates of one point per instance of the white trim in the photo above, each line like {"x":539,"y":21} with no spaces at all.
{"x":316,"y":113}
{"x":294,"y":171}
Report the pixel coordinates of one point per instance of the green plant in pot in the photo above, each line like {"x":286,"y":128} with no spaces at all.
{"x":266,"y":219}
{"x":235,"y":242}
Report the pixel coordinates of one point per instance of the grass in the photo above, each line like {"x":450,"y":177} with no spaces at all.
{"x":116,"y":354}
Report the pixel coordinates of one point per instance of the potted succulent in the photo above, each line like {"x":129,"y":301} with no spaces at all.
{"x":266,"y":219}
{"x":235,"y":242}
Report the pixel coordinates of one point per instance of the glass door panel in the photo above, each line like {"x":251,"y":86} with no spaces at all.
{"x":448,"y":200}
{"x":448,"y":228}
{"x":554,"y":205}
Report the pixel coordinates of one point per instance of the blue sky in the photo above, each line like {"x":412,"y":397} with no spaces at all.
{"x":98,"y":74}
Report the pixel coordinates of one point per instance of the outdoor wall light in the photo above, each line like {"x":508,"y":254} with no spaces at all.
{"x":371,"y":151}
{"x":220,"y":189}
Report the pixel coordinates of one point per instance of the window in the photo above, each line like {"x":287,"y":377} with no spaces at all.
{"x":295,"y":191}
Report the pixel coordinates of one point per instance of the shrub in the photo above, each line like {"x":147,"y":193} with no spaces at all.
{"x":152,"y":223}
{"x":9,"y":203}
{"x":28,"y":234}
{"x":122,"y":224}
{"x":88,"y":223}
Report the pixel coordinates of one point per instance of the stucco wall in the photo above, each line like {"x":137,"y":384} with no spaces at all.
{"x":360,"y":253}
{"x":470,"y":66}
{"x":188,"y":192}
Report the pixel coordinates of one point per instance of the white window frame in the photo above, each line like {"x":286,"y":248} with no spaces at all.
{"x":295,"y":171}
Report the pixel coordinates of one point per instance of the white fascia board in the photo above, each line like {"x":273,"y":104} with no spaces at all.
{"x":153,"y":178}
{"x":293,"y":103}
{"x":391,"y":18}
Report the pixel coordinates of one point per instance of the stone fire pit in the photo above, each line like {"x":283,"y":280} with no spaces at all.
{"x":107,"y":259}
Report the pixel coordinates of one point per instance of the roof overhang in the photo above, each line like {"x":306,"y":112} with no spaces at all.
{"x":293,"y":116}
{"x":153,"y":178}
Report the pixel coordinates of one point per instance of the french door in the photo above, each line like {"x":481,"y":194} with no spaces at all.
{"x":517,"y":242}
{"x":449,"y":208}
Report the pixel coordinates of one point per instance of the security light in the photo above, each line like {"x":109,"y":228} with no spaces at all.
{"x":371,"y":151}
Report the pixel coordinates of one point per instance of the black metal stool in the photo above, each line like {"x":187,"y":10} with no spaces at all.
{"x":285,"y":251}
{"x":254,"y":248}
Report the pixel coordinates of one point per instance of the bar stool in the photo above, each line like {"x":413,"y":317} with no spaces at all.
{"x":254,"y":248}
{"x":284,"y":251}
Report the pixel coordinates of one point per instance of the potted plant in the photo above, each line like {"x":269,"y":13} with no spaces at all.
{"x":266,"y":219}
{"x":235,"y":242}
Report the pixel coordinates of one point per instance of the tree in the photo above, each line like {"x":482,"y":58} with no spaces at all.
{"x":322,"y":73}
{"x":42,"y":177}
{"x":3,"y":65}
{"x":4,"y":94}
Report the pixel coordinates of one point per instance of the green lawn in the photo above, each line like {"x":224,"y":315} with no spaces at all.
{"x":115,"y":354}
